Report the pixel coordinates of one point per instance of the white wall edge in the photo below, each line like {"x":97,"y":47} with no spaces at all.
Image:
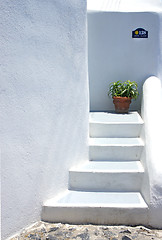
{"x":151,"y":112}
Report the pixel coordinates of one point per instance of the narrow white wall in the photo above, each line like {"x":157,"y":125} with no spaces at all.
{"x":140,"y":5}
{"x":44,"y":103}
{"x":160,"y":48}
{"x":124,"y":5}
{"x":152,"y":116}
{"x":114,"y":55}
{"x":152,"y":156}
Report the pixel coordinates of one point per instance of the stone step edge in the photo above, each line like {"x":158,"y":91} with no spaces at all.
{"x":139,"y":119}
{"x":53,"y":201}
{"x":115,"y":142}
{"x":116,"y":123}
{"x":82,"y":168}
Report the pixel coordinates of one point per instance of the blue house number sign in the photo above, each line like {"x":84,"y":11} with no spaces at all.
{"x":140,"y":33}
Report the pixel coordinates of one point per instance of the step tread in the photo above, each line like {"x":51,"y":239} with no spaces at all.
{"x":98,"y":199}
{"x":114,"y":118}
{"x":110,"y":166}
{"x":116,"y":142}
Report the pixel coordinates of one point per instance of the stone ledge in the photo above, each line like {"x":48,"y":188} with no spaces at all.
{"x":58,"y":231}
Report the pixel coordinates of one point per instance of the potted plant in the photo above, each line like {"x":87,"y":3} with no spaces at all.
{"x":122,"y":93}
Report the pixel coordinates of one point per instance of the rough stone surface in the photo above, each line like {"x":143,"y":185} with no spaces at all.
{"x":58,"y":231}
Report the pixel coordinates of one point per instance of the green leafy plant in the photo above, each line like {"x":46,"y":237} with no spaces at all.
{"x":124,"y":89}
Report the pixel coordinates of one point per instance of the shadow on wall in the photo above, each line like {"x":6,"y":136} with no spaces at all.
{"x":114,"y":55}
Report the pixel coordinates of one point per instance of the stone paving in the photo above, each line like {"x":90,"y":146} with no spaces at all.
{"x":58,"y":231}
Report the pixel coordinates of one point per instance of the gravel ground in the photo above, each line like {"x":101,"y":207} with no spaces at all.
{"x":58,"y":231}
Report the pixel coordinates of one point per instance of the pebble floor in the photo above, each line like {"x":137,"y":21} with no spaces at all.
{"x":58,"y":231}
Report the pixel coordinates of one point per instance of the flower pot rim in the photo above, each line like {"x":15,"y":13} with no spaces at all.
{"x":121,"y":97}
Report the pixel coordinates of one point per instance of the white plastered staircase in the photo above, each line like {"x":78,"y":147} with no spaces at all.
{"x":105,"y":190}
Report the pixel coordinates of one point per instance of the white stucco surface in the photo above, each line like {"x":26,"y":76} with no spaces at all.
{"x":44,"y":103}
{"x":152,"y":115}
{"x":114,"y":55}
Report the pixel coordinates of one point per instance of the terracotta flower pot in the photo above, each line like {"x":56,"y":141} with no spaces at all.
{"x":121,"y":104}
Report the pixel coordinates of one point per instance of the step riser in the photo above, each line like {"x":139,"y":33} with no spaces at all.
{"x":114,"y":130}
{"x":93,"y":215}
{"x":115,"y":153}
{"x":100,"y":182}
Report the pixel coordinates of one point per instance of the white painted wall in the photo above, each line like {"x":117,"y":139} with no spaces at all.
{"x":114,"y":55}
{"x":44,"y":95}
{"x":152,"y":157}
{"x":160,"y":48}
{"x":44,"y":103}
{"x":124,"y":5}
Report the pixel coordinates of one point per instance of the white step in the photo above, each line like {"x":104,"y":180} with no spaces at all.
{"x":97,"y":208}
{"x":107,"y":176}
{"x":115,"y":149}
{"x":103,"y":124}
